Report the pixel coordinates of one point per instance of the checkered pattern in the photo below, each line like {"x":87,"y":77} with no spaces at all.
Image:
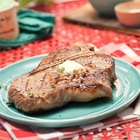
{"x":22,"y":132}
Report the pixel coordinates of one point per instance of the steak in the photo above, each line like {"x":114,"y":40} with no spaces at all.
{"x":49,"y":86}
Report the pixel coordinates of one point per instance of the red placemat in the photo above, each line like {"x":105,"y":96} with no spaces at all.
{"x":64,"y":35}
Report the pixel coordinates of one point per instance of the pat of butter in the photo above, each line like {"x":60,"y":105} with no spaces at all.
{"x":69,"y":66}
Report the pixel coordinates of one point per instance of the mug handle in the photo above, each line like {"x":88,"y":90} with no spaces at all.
{"x":16,"y":6}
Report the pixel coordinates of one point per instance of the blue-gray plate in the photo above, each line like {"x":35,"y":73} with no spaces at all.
{"x":74,"y":113}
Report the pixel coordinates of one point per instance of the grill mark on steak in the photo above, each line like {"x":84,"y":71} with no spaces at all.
{"x":62,"y":54}
{"x":51,"y":89}
{"x":60,"y":62}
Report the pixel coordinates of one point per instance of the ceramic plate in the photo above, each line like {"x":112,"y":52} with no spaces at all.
{"x":73,"y":113}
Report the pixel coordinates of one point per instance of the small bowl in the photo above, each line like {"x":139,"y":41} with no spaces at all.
{"x":106,"y":7}
{"x":128,"y":13}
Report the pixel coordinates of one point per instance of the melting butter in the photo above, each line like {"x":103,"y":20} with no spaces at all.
{"x":69,"y":66}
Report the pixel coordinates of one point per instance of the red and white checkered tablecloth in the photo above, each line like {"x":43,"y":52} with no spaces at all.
{"x":64,"y":35}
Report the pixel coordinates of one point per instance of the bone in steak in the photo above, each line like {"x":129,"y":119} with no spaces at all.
{"x":48,"y":86}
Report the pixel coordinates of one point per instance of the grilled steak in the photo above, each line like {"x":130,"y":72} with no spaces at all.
{"x":50,"y":86}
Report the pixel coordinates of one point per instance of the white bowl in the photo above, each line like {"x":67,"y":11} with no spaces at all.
{"x":128,"y":13}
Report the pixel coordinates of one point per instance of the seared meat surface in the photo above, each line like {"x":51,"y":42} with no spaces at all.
{"x":50,"y":86}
